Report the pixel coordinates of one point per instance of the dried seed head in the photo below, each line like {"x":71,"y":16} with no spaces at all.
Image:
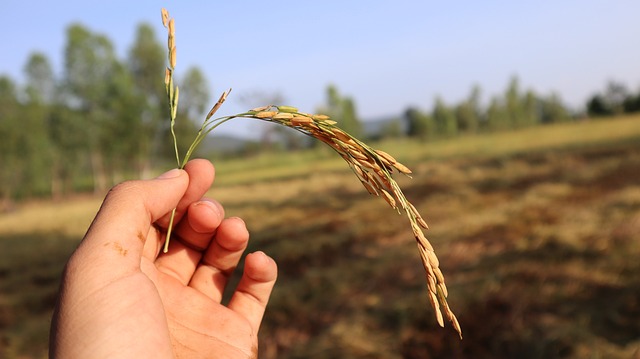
{"x":341,"y":135}
{"x":357,"y":154}
{"x":434,"y":304}
{"x":421,"y":239}
{"x":388,"y":198}
{"x":402,"y":168}
{"x":422,"y":222}
{"x":289,"y":109}
{"x":386,"y":156}
{"x":320,"y":117}
{"x":260,"y":109}
{"x":433,"y":259}
{"x":171,"y":42}
{"x":283,"y":116}
{"x":215,"y":107}
{"x":417,"y":216}
{"x":172,"y":27}
{"x":300,"y":120}
{"x":444,"y":289}
{"x":172,"y":57}
{"x":165,"y":17}
{"x":372,"y":190}
{"x":265,"y":114}
{"x":167,"y":76}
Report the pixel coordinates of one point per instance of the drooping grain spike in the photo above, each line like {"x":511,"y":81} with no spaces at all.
{"x":165,"y":17}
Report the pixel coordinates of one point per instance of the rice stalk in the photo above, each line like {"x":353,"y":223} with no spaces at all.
{"x":374,"y":168}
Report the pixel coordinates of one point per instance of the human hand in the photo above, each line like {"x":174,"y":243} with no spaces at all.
{"x":122,"y":298}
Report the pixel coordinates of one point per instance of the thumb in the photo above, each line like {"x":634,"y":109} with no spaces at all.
{"x":117,"y":235}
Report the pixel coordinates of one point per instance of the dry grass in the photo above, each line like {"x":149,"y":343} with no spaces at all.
{"x":540,"y":248}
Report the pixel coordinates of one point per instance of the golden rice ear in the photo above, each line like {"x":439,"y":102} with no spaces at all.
{"x":289,"y":109}
{"x":165,"y":17}
{"x":374,"y":168}
{"x":172,"y":27}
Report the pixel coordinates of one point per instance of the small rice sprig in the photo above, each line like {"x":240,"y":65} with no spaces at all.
{"x":374,"y":168}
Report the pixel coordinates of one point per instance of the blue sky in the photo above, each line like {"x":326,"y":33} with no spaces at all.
{"x":387,"y":55}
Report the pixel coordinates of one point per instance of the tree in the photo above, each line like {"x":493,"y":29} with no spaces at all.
{"x":123,"y":107}
{"x":41,"y":84}
{"x":468,"y":112}
{"x":146,"y":61}
{"x":420,"y":124}
{"x":632,"y":103}
{"x":612,"y":102}
{"x":553,"y":110}
{"x":444,"y":119}
{"x":497,"y":115}
{"x":615,"y":95}
{"x":530,"y":116}
{"x":11,"y":144}
{"x":514,"y":105}
{"x":343,"y":110}
{"x":38,"y":153}
{"x":597,"y":106}
{"x":90,"y":63}
{"x":195,"y":94}
{"x":194,"y":98}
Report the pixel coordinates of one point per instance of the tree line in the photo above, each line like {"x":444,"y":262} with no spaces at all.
{"x":107,"y":117}
{"x":513,"y":109}
{"x":103,"y":115}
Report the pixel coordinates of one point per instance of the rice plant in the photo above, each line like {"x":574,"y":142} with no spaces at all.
{"x":374,"y":168}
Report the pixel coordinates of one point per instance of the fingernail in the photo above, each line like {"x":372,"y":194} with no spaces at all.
{"x":210,"y":205}
{"x":170,"y":174}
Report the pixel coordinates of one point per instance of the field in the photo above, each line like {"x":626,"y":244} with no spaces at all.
{"x":537,"y":231}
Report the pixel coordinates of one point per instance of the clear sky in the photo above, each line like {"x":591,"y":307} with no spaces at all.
{"x":387,"y":55}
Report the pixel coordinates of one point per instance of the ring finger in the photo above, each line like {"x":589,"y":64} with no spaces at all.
{"x":221,"y":258}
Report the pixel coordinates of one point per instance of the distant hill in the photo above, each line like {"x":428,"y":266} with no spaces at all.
{"x":224,"y":144}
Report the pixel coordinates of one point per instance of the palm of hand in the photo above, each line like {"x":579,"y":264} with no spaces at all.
{"x":121,"y":298}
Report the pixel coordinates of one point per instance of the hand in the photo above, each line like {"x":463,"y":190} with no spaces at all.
{"x":121,"y":298}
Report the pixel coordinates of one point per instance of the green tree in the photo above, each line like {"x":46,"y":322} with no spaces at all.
{"x":514,"y":104}
{"x":597,"y":106}
{"x":468,"y":112}
{"x":444,"y":119}
{"x":615,"y":95}
{"x":41,"y":85}
{"x":530,"y":116}
{"x":497,"y":116}
{"x":38,"y":152}
{"x":553,"y":110}
{"x":89,"y":64}
{"x":612,"y":102}
{"x":123,"y":107}
{"x":420,"y":125}
{"x":146,"y":61}
{"x":11,"y":132}
{"x":632,"y":103}
{"x":343,"y":110}
{"x":194,"y":98}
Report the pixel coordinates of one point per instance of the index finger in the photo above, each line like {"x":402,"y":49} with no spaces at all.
{"x":201,"y":174}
